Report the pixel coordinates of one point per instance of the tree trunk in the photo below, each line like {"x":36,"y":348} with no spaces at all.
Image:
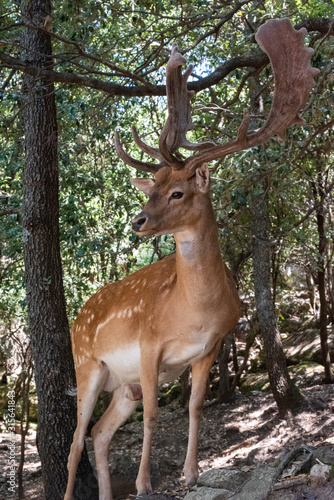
{"x":225,"y":392}
{"x":330,"y":291}
{"x":185,"y":388}
{"x":286,"y":395}
{"x":310,"y":288}
{"x":319,"y":195}
{"x":50,"y":339}
{"x":330,"y":267}
{"x":249,"y":342}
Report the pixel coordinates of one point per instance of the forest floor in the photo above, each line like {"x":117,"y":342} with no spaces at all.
{"x":241,"y":434}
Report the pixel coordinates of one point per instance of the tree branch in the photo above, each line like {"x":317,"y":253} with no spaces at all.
{"x":8,"y":79}
{"x":255,"y":61}
{"x":319,"y":130}
{"x":10,"y":211}
{"x":315,"y":206}
{"x":320,"y":24}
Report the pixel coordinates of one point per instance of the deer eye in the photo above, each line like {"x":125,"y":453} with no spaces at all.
{"x":176,"y":195}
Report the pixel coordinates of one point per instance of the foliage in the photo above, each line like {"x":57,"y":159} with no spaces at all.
{"x":125,"y":45}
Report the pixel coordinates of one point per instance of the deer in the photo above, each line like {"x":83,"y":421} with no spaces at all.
{"x":145,"y":330}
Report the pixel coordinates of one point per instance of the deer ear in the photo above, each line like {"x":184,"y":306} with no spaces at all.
{"x":144,"y":185}
{"x":203,"y":178}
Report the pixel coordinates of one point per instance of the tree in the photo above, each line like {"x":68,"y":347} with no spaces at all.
{"x":320,"y":200}
{"x":285,"y":393}
{"x":107,"y":59}
{"x":43,"y":270}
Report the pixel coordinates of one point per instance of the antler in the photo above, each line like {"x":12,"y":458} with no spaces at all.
{"x":179,"y":122}
{"x":294,"y":79}
{"x":139,"y":165}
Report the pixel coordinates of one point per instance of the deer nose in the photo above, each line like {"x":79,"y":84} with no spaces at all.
{"x":138,"y":222}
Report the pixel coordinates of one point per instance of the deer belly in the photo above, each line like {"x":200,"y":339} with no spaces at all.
{"x":124,"y":363}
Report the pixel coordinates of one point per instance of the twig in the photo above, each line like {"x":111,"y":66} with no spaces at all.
{"x":8,"y":79}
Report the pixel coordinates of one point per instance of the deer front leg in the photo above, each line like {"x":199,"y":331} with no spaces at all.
{"x":149,"y":384}
{"x":200,"y":373}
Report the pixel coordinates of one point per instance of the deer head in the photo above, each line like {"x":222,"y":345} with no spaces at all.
{"x":176,"y":201}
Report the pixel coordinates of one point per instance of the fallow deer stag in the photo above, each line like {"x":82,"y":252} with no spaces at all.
{"x":135,"y":334}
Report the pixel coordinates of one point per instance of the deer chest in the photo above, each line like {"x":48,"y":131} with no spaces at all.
{"x":187,"y":349}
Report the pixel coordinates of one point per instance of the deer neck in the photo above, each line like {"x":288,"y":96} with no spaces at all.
{"x":199,"y":266}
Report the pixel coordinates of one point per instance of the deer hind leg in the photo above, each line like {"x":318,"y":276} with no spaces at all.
{"x":90,"y":379}
{"x":200,"y":373}
{"x":123,"y":403}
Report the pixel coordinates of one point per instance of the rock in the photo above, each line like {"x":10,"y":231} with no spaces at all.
{"x":319,"y":471}
{"x":205,"y":493}
{"x":154,"y":496}
{"x":230,"y":479}
{"x":325,"y":454}
{"x":304,"y":374}
{"x":259,"y":485}
{"x":252,"y":485}
{"x":254,"y":382}
{"x":284,"y":495}
{"x":305,"y":345}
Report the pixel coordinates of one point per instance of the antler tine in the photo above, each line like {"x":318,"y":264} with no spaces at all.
{"x":137,"y":164}
{"x":149,"y":150}
{"x":179,"y":122}
{"x":294,"y":79}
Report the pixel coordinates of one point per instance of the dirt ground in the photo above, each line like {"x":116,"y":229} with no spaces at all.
{"x":241,"y":434}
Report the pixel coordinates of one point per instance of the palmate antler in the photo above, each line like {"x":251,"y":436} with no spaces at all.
{"x":179,"y":122}
{"x":294,"y":79}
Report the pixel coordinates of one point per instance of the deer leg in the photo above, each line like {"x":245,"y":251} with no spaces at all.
{"x":200,"y":373}
{"x":87,"y":393}
{"x":149,"y":385}
{"x":120,"y":408}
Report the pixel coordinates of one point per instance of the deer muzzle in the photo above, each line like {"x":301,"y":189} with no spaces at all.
{"x":139,"y":222}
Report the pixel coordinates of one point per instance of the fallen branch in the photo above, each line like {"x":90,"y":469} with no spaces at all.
{"x":289,"y":483}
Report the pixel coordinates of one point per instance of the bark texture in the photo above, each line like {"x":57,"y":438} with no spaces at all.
{"x":286,"y":395}
{"x":319,"y":194}
{"x":54,"y":369}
